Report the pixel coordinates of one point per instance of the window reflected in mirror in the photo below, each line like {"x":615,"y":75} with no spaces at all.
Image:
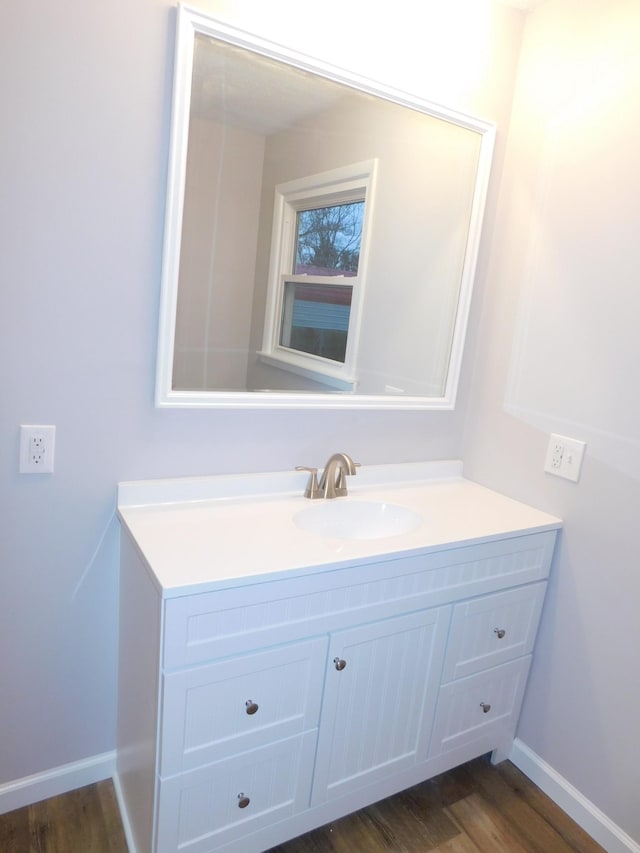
{"x":317,"y":278}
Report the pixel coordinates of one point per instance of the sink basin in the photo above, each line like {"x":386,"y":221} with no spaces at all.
{"x":357,"y":519}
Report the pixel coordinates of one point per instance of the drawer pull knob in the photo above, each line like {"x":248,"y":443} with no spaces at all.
{"x":499,"y":632}
{"x":251,"y":706}
{"x":243,"y":801}
{"x":339,"y":664}
{"x":486,"y":707}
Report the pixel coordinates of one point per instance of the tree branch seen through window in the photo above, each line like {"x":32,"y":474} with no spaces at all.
{"x":328,"y":239}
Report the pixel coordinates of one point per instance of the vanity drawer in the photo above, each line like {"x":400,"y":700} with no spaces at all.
{"x":212,"y":712}
{"x":493,"y":629}
{"x":214,"y":805}
{"x":486,"y":705}
{"x":231,"y":621}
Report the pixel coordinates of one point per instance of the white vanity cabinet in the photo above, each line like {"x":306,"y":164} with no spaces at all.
{"x":252,"y":710}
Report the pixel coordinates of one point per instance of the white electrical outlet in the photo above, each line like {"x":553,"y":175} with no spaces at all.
{"x":564,"y":457}
{"x":37,"y":449}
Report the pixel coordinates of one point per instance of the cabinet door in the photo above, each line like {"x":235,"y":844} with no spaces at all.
{"x":380,"y":694}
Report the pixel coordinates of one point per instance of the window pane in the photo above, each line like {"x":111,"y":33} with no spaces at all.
{"x":328,"y":239}
{"x":315,"y":319}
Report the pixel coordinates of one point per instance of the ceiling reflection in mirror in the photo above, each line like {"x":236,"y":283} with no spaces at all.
{"x":321,"y":233}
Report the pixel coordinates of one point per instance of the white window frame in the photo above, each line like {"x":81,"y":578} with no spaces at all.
{"x":336,"y":186}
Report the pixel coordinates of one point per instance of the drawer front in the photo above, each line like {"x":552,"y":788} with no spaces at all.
{"x":231,"y":706}
{"x":231,"y":621}
{"x":220,"y":803}
{"x":480,"y":706}
{"x":493,"y":629}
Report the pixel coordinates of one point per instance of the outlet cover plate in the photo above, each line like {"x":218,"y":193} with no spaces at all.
{"x":37,"y":448}
{"x":564,"y":457}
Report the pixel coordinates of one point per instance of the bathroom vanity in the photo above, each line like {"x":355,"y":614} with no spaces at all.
{"x":284,"y":662}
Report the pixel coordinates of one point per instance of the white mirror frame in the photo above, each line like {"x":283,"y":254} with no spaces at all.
{"x":191,"y":22}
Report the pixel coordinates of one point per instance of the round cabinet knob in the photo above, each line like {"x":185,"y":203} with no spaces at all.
{"x":339,"y":664}
{"x":251,"y":706}
{"x":499,"y":632}
{"x":486,"y":707}
{"x":243,"y":801}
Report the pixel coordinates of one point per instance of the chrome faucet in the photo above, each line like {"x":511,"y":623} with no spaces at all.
{"x":332,"y":482}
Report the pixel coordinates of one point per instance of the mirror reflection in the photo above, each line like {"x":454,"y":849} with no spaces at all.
{"x":325,"y":234}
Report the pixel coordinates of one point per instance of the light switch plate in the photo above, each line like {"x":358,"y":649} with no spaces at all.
{"x":564,"y":457}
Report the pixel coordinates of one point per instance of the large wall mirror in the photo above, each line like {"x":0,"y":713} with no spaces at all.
{"x":321,"y":232}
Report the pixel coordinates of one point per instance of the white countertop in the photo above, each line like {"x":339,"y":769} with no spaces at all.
{"x":206,"y":533}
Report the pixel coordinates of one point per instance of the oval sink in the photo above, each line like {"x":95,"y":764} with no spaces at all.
{"x":357,"y":519}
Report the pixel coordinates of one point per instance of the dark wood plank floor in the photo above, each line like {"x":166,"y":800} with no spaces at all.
{"x":83,"y":821}
{"x":476,"y":808}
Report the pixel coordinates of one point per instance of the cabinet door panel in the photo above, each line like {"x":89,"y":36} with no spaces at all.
{"x":234,"y":705}
{"x":493,"y":629}
{"x":222,"y":802}
{"x":378,"y":707}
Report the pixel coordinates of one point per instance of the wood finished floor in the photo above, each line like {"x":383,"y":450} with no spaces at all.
{"x":476,"y":808}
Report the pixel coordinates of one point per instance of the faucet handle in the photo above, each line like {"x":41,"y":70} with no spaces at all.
{"x":312,"y":490}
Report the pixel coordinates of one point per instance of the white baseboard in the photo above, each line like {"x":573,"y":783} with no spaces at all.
{"x":58,"y":780}
{"x":124,"y":814}
{"x":571,"y":801}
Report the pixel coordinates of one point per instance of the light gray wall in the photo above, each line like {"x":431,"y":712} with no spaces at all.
{"x":217,"y":260}
{"x":85,"y":94}
{"x":560,"y":353}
